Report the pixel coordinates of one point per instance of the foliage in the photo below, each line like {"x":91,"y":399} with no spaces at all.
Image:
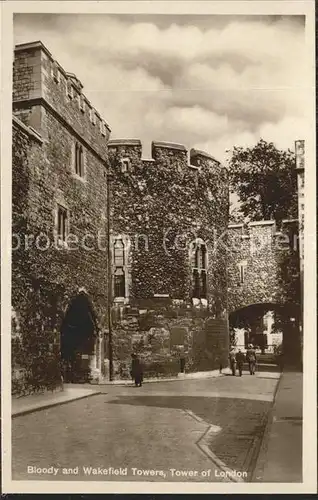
{"x":264,"y":178}
{"x":35,"y":357}
{"x":161,"y":366}
{"x":289,"y":279}
{"x":169,"y":204}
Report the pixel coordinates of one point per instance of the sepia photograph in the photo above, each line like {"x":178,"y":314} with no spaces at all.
{"x":156,"y":208}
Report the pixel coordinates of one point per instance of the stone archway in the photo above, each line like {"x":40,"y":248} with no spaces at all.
{"x":280,"y":328}
{"x":79,"y":332}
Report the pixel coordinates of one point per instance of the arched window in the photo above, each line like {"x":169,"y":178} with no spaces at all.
{"x":198,"y":252}
{"x":79,"y":160}
{"x":119,"y":271}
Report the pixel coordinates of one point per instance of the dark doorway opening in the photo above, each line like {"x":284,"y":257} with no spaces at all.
{"x":78,"y":334}
{"x":286,"y":321}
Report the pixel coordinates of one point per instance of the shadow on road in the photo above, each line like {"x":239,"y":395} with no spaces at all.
{"x":242,"y":422}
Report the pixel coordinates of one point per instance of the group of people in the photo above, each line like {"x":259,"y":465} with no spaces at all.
{"x":237,"y":359}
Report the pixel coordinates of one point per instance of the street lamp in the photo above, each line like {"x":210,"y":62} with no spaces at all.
{"x":110,"y":179}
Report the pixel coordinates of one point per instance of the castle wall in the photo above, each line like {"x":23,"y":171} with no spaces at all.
{"x":40,"y":82}
{"x":158,"y":207}
{"x":260,"y":249}
{"x":49,"y":271}
{"x":263,"y":272}
{"x":161,"y":205}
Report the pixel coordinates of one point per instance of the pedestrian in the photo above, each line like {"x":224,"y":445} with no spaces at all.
{"x":182,"y":362}
{"x":232,"y":359}
{"x":251,"y":359}
{"x":136,"y":370}
{"x":240,"y":358}
{"x":218,"y":362}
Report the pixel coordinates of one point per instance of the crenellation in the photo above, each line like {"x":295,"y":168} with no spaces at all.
{"x":54,"y":87}
{"x":169,"y":152}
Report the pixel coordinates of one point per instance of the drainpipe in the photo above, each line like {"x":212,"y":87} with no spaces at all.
{"x":110,"y":273}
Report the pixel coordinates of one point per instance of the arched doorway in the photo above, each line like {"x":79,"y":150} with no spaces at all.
{"x":266,"y":326}
{"x":78,"y":335}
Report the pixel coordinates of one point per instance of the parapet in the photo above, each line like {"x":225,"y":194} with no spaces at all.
{"x":167,"y":145}
{"x":116,"y":143}
{"x":253,"y":229}
{"x":171,"y":150}
{"x":39,"y":79}
{"x":197,"y":153}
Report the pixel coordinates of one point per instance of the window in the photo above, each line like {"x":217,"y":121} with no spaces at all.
{"x":199,"y":270}
{"x":119,"y":283}
{"x":119,"y":272}
{"x":124,"y":165}
{"x":79,"y":160}
{"x":242,"y":272}
{"x":62,"y":221}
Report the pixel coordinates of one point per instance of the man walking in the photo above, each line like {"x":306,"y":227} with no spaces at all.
{"x":240,"y":358}
{"x":251,"y":359}
{"x":232,"y":359}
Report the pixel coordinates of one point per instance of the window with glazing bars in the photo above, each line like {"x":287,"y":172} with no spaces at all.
{"x":119,"y":265}
{"x":199,"y":270}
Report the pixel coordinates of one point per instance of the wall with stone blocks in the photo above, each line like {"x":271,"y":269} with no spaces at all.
{"x":160,"y":205}
{"x":47,"y":275}
{"x":262,"y":249}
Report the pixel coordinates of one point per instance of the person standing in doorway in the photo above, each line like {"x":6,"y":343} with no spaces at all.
{"x":251,"y":359}
{"x":240,"y":358}
{"x":232,"y":359}
{"x":136,"y":370}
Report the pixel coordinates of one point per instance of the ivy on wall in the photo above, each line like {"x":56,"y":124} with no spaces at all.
{"x":171,"y":205}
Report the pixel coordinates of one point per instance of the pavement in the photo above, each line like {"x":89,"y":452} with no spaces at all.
{"x":35,"y":402}
{"x":180,"y":376}
{"x":280,"y":458}
{"x":198,"y":429}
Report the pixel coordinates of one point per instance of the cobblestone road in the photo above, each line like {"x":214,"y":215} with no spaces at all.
{"x":158,"y":427}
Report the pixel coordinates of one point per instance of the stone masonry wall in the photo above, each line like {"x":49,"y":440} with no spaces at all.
{"x":265,"y":252}
{"x":43,"y":177}
{"x":168,"y":202}
{"x":38,"y":80}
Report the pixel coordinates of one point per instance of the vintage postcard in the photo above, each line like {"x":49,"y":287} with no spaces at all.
{"x":158,"y":247}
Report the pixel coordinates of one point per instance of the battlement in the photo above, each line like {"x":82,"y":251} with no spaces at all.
{"x":161,"y":150}
{"x":263,"y":229}
{"x":39,"y":80}
{"x":116,"y":143}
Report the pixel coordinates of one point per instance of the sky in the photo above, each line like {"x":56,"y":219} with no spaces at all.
{"x":210,"y":82}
